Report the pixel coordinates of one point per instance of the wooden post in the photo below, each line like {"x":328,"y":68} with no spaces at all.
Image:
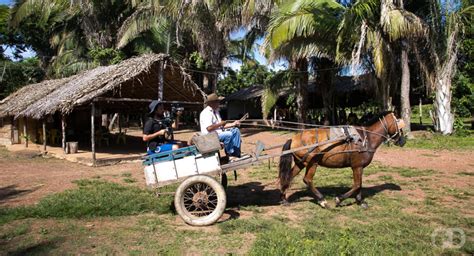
{"x":421,"y":114}
{"x":119,"y":124}
{"x":25,"y":131}
{"x":44,"y":136}
{"x":63,"y":132}
{"x":12,"y":130}
{"x":93,"y":133}
{"x":160,"y":81}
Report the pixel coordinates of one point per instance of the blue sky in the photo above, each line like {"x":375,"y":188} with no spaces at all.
{"x":7,"y":2}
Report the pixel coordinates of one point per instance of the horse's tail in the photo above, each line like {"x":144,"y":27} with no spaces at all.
{"x":285,"y":165}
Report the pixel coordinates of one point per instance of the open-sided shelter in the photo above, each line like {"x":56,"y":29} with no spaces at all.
{"x":127,"y":86}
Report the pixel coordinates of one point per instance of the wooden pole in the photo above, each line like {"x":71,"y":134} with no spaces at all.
{"x":25,"y":131}
{"x":160,"y":81}
{"x":421,"y":113}
{"x":44,"y":136}
{"x":12,"y":130}
{"x":93,"y":133}
{"x":63,"y":132}
{"x":119,"y":123}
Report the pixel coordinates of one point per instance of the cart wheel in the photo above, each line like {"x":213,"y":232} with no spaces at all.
{"x":200,"y":200}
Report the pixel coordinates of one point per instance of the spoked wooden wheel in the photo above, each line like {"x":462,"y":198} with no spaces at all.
{"x":200,"y":200}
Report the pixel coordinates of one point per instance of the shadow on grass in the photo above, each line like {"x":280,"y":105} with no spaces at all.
{"x":10,"y":192}
{"x":254,"y":193}
{"x":40,"y":248}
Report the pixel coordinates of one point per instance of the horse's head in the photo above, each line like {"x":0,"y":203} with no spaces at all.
{"x":394,"y":128}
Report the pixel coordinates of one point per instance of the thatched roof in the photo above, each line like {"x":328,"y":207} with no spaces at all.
{"x":246,"y":93}
{"x":135,"y":78}
{"x":343,"y":85}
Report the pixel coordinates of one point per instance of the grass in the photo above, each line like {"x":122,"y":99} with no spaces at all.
{"x":100,"y":217}
{"x":91,"y":199}
{"x":438,"y":142}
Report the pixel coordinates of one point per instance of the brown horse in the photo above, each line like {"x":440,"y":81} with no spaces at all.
{"x":338,"y":153}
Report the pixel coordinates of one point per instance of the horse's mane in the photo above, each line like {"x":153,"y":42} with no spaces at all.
{"x":376,"y":118}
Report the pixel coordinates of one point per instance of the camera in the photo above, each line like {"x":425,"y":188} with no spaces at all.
{"x":170,"y":117}
{"x":175,"y":108}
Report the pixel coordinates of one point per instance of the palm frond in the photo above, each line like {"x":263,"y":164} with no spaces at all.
{"x":143,"y":19}
{"x":403,"y":24}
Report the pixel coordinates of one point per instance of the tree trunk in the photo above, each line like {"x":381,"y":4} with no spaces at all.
{"x":301,"y":84}
{"x":443,"y":117}
{"x":209,"y":83}
{"x":327,"y":90}
{"x":405,"y":91}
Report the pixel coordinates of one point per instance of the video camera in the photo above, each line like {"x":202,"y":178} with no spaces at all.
{"x":170,"y":117}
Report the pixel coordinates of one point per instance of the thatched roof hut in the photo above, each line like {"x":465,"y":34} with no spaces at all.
{"x":132,"y":80}
{"x":343,"y":85}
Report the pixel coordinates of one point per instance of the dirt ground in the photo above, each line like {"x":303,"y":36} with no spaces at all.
{"x":24,"y":180}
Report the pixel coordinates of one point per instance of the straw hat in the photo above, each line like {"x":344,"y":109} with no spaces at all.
{"x":213,"y":97}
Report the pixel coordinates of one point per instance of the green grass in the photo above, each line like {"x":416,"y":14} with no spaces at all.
{"x":442,"y":142}
{"x":412,"y":172}
{"x":133,"y":221}
{"x":92,"y":198}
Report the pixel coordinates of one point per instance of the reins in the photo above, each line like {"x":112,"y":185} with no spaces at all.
{"x":361,"y":128}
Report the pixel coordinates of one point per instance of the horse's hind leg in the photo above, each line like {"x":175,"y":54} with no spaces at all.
{"x":297,"y":167}
{"x":356,"y":187}
{"x":308,"y":180}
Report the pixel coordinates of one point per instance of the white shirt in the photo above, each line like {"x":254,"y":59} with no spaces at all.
{"x":207,"y":118}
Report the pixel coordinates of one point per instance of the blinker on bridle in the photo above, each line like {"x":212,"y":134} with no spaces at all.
{"x":384,"y":123}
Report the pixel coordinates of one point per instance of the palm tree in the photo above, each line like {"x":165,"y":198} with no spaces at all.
{"x":387,"y":33}
{"x":63,"y":32}
{"x":299,"y":30}
{"x":446,"y":20}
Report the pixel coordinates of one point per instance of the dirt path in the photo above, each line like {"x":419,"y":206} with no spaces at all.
{"x":25,"y":179}
{"x":441,"y":160}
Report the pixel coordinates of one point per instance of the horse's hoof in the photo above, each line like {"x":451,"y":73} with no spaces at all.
{"x":364,"y":205}
{"x":324,"y":204}
{"x":285,"y":203}
{"x":338,"y":201}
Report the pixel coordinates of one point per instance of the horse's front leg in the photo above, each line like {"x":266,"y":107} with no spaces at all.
{"x":356,"y":187}
{"x":308,"y":180}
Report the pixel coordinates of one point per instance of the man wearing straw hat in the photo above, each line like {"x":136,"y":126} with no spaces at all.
{"x":211,"y":121}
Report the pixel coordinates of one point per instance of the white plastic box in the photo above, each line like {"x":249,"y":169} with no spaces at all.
{"x":183,"y":167}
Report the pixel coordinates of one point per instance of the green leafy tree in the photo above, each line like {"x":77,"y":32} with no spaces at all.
{"x":251,"y":73}
{"x":14,"y":75}
{"x":463,"y":91}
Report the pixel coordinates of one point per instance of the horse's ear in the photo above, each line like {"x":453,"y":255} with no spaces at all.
{"x":400,"y":123}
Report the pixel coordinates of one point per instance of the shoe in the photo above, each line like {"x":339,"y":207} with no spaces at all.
{"x":233,"y":159}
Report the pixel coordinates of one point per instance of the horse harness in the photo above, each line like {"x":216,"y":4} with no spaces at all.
{"x":349,"y":139}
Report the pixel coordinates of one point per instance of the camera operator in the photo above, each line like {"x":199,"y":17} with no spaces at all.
{"x":157,"y":128}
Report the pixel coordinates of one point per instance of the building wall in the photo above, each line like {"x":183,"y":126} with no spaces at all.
{"x":34,"y":130}
{"x":236,"y":109}
{"x":5,"y":131}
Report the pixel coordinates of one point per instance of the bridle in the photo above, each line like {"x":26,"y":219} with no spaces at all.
{"x":384,"y":123}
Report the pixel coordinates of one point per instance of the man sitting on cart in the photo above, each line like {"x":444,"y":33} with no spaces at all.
{"x":156,"y":128}
{"x":211,"y":121}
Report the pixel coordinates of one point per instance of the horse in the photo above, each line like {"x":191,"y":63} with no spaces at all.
{"x":338,"y":153}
